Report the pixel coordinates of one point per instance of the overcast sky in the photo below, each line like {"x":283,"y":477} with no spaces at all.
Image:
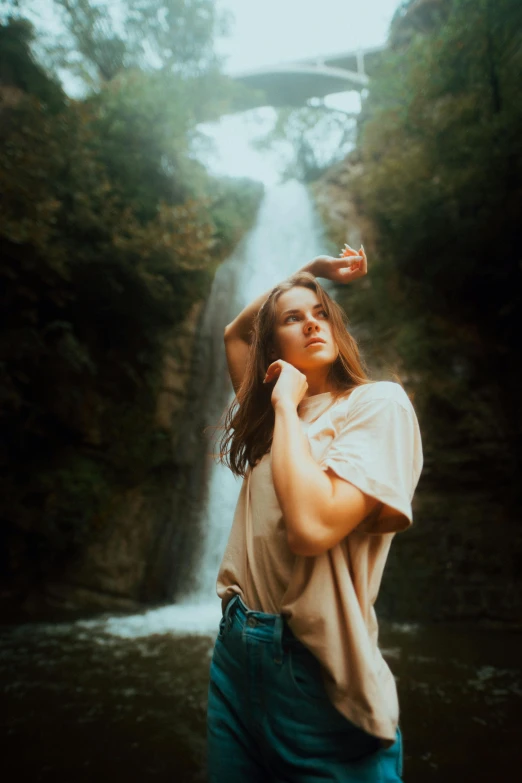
{"x":271,"y":31}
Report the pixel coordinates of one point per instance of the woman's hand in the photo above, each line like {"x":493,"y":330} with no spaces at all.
{"x":291,"y":384}
{"x":352,"y":265}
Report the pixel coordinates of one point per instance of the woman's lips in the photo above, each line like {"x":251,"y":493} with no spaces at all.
{"x":315,"y":341}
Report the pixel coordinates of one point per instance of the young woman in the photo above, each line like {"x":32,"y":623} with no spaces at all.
{"x":299,"y":691}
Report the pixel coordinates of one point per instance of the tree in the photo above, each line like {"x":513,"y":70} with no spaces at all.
{"x":311,"y":139}
{"x":168,"y":35}
{"x":19,"y":69}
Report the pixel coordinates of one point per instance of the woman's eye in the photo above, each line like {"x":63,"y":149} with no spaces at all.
{"x":320,"y":312}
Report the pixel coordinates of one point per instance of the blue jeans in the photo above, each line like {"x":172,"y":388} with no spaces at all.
{"x":269,"y":718}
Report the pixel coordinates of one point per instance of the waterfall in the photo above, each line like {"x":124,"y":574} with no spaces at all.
{"x":286,"y":235}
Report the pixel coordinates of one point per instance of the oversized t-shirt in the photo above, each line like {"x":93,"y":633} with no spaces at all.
{"x":370,"y":438}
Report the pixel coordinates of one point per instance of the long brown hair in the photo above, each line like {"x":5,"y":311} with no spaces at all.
{"x":249,"y":420}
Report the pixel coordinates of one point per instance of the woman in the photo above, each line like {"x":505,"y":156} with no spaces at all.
{"x":299,"y":690}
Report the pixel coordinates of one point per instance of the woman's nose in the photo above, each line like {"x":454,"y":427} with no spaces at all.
{"x":311,"y":324}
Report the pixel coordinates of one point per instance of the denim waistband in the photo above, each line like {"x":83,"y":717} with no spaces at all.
{"x":261,"y":625}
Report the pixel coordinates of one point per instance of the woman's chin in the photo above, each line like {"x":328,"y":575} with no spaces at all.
{"x":315,"y":362}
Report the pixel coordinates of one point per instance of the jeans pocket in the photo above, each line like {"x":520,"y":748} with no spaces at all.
{"x":305,"y":674}
{"x":222,"y":627}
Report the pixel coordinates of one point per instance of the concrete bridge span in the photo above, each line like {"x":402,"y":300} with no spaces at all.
{"x":295,"y":83}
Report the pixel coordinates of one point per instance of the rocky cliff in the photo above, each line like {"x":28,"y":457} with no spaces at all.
{"x":128,"y":563}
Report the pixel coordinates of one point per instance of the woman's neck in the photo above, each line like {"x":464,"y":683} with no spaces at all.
{"x":319,"y":385}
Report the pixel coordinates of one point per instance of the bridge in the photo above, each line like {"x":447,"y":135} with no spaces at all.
{"x":295,"y":83}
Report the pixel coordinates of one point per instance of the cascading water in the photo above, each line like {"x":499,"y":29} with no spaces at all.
{"x":286,"y":235}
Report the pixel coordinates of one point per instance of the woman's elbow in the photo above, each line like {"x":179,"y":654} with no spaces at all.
{"x":321,"y":537}
{"x":305,"y":545}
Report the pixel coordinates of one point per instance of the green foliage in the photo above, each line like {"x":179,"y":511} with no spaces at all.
{"x":19,"y":69}
{"x":90,"y":287}
{"x":232,"y":206}
{"x":173,"y":36}
{"x":180,"y":33}
{"x":109,"y":232}
{"x":441,"y":150}
{"x":142,"y":128}
{"x":99,"y":53}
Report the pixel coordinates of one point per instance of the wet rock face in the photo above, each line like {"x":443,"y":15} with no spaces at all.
{"x":335,"y":204}
{"x":177,"y":369}
{"x":131,"y":559}
{"x":145,"y":556}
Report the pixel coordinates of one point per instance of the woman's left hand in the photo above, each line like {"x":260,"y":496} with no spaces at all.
{"x":350,"y":266}
{"x":291,"y":384}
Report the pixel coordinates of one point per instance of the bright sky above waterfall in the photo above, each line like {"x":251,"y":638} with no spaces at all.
{"x":264,"y":32}
{"x":267,"y":32}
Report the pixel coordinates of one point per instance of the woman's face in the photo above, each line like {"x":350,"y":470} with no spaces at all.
{"x":300,"y":318}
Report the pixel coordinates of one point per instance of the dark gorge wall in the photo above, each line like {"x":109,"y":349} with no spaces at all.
{"x":142,"y":549}
{"x":462,"y":558}
{"x":131,"y":557}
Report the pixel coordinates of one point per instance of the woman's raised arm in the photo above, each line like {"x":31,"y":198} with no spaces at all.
{"x":238,"y":332}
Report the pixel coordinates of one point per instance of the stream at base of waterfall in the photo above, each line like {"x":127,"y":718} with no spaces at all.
{"x":84,"y":704}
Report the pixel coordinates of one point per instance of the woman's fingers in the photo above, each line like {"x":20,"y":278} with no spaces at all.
{"x":272,"y":371}
{"x":352,"y":264}
{"x":352,"y":267}
{"x":348,"y":251}
{"x":346,"y":267}
{"x":347,"y":260}
{"x":365,"y":260}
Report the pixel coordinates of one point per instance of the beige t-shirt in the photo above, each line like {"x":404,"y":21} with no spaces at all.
{"x":372,"y":439}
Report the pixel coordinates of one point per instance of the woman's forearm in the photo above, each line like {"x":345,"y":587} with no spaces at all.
{"x":303,"y":489}
{"x":241,"y":326}
{"x":318,"y":512}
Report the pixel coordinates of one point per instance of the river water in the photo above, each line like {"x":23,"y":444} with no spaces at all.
{"x":124,"y":696}
{"x":94,"y":700}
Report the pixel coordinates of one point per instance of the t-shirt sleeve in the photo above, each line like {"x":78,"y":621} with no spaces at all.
{"x":377,"y":448}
